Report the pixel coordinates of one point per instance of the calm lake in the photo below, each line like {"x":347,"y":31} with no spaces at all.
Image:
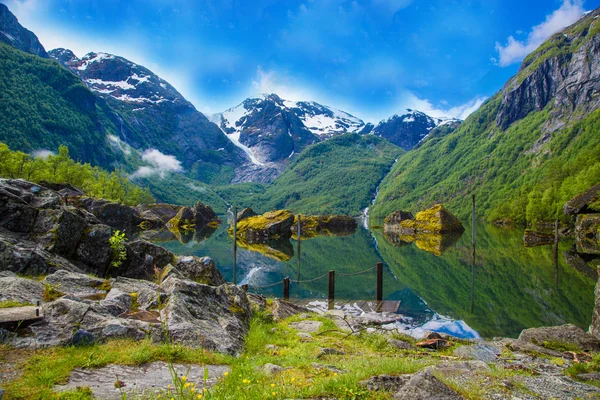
{"x":509,"y":288}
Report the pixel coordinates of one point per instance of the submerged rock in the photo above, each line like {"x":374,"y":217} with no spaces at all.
{"x":332,"y":225}
{"x":587,"y":233}
{"x":532,"y":238}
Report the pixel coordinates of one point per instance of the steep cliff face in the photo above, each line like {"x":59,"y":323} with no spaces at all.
{"x":526,"y":151}
{"x":13,"y":34}
{"x":564,"y":71}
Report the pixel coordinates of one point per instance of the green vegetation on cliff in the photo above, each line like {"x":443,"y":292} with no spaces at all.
{"x":524,"y":172}
{"x":337,"y":176}
{"x":44,"y":105}
{"x":60,"y":168}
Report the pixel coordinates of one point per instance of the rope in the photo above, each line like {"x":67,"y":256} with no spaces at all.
{"x":266,"y":286}
{"x":310,"y":280}
{"x":357,"y":273}
{"x":314,"y":279}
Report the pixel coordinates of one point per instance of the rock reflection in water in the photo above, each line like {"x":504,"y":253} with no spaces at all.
{"x":182,"y":236}
{"x":278,"y":249}
{"x":432,"y":243}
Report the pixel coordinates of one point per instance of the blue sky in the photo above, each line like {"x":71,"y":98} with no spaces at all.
{"x":372,"y":58}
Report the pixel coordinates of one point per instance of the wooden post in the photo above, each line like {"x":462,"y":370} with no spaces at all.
{"x":234,"y":244}
{"x":379,"y":286}
{"x":245,"y":287}
{"x":37,"y":310}
{"x":286,"y":288}
{"x":331,"y":296}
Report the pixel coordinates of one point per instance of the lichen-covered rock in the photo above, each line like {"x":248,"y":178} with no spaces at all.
{"x":203,"y":215}
{"x":432,"y":220}
{"x":94,"y":249}
{"x":184,"y":220}
{"x":76,"y":284}
{"x":587,"y":233}
{"x":586,"y":202}
{"x":397,"y":216}
{"x":115,"y":215}
{"x":59,"y":230}
{"x":269,"y":225}
{"x":199,"y":269}
{"x":20,"y":289}
{"x":425,"y":386}
{"x":198,"y":315}
{"x":332,"y":225}
{"x":245,"y":213}
{"x":532,"y":238}
{"x":29,"y":258}
{"x":568,"y":333}
{"x":142,"y":258}
{"x":282,"y":309}
{"x":164,"y":212}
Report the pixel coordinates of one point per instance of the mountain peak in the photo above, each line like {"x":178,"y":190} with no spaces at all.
{"x":118,"y":78}
{"x":15,"y":35}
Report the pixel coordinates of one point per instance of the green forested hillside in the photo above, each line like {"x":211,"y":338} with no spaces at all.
{"x":511,"y":173}
{"x":42,"y":106}
{"x":60,"y":168}
{"x":337,"y":176}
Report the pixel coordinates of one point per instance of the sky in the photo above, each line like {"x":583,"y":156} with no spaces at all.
{"x":372,"y":58}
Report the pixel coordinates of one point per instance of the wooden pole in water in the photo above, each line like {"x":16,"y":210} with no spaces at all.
{"x":331,"y":296}
{"x":286,"y":288}
{"x":379,"y":286}
{"x":299,"y":240}
{"x":234,"y":244}
{"x":555,"y":254}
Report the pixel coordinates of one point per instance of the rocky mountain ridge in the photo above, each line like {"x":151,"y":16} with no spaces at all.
{"x":13,"y":34}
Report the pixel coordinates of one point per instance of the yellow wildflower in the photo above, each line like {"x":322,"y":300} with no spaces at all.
{"x":184,"y":378}
{"x":226,"y":373}
{"x":199,"y":396}
{"x":274,"y":394}
{"x":187,"y":385}
{"x":272,"y":385}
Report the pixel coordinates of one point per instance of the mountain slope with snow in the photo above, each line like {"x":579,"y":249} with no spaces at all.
{"x":408,"y":129}
{"x":271,"y":129}
{"x":145,"y":111}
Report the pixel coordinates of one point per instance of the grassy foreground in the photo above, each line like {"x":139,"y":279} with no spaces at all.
{"x":364,"y":355}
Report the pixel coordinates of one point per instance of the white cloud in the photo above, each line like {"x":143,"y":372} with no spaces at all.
{"x":43,"y":153}
{"x":160,"y":164}
{"x":461,"y":111}
{"x":516,"y":50}
{"x":274,"y":82}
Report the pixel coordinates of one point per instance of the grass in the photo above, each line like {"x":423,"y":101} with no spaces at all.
{"x":304,"y":375}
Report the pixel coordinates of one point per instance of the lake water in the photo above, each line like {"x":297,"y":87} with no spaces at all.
{"x":507,"y":289}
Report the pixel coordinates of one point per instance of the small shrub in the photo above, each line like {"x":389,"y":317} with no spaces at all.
{"x":117,"y":246}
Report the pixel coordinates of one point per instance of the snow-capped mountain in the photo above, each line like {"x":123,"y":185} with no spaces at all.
{"x":410,"y":128}
{"x":145,"y":111}
{"x":119,"y":78}
{"x":270,"y":129}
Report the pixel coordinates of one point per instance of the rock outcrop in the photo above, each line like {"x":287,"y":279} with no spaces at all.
{"x":273,"y":224}
{"x":533,"y":238}
{"x":13,"y":34}
{"x":432,"y":220}
{"x":198,"y":315}
{"x":584,"y":203}
{"x":42,"y":231}
{"x":566,"y":69}
{"x":318,"y":225}
{"x":587,"y":233}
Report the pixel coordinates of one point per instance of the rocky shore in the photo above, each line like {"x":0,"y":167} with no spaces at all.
{"x":55,"y":251}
